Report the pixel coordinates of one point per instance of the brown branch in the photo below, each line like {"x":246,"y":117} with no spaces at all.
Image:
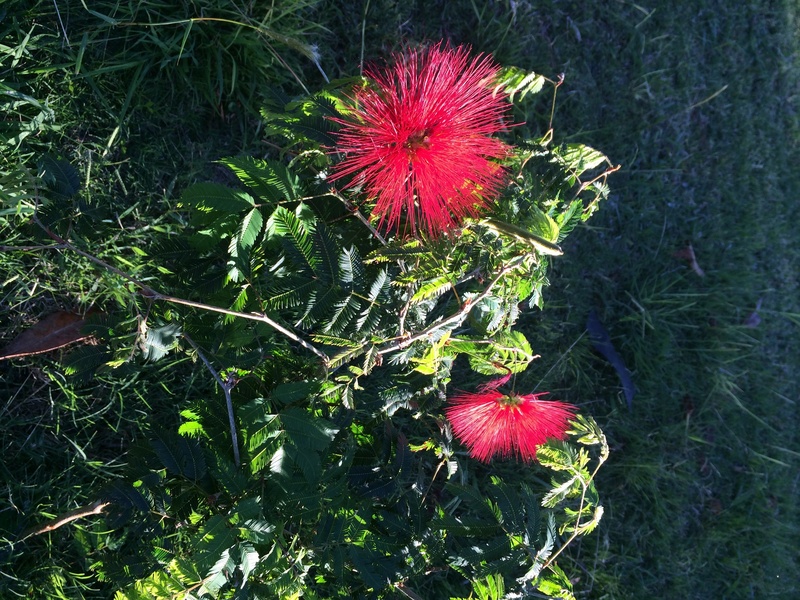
{"x":152,"y":294}
{"x":456,"y":318}
{"x":603,"y":175}
{"x":226,"y":387}
{"x":407,"y":591}
{"x":4,"y":248}
{"x":95,"y":508}
{"x":359,"y":215}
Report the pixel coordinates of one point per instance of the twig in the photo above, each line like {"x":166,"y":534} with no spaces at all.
{"x":354,"y":209}
{"x":83,"y":511}
{"x":456,"y":318}
{"x":152,"y":294}
{"x":4,"y":248}
{"x":555,"y":93}
{"x":430,"y":485}
{"x":226,"y":387}
{"x":64,"y":30}
{"x":611,"y":169}
{"x":576,"y":531}
{"x":708,"y":99}
{"x":407,"y":591}
{"x":363,"y":37}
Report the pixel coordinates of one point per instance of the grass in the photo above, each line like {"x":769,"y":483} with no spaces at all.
{"x":697,"y":103}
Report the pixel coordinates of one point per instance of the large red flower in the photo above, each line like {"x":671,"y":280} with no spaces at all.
{"x":420,"y":140}
{"x":491,"y":423}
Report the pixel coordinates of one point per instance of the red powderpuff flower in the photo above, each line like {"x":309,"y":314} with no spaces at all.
{"x":492,"y":423}
{"x":420,"y":143}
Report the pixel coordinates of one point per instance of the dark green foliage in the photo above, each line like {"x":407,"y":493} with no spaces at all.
{"x":304,"y":121}
{"x":60,"y":177}
{"x":334,"y":476}
{"x":269,"y":180}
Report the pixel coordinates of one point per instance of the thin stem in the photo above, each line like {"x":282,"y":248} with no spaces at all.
{"x":407,"y":591}
{"x":603,"y":175}
{"x":84,"y":511}
{"x":226,"y":387}
{"x":152,"y":294}
{"x":31,"y":248}
{"x":456,"y":318}
{"x":430,"y":485}
{"x":229,"y":383}
{"x":576,"y":532}
{"x":555,"y":93}
{"x":359,"y":215}
{"x":363,"y":37}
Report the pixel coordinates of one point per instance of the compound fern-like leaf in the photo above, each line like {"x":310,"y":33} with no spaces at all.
{"x":287,"y":225}
{"x":267,"y":179}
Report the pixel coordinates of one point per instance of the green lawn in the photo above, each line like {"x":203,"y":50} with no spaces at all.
{"x":697,"y":103}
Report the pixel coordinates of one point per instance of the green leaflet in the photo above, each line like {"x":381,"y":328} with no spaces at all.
{"x":328,"y":283}
{"x":287,"y":393}
{"x":326,"y":254}
{"x":569,"y":219}
{"x":212,"y":540}
{"x":18,"y":192}
{"x":510,"y":505}
{"x":249,"y":228}
{"x":346,"y":356}
{"x":231,"y":479}
{"x":507,"y":352}
{"x":288,"y":226}
{"x":331,"y":340}
{"x":303,"y":121}
{"x":290,"y":293}
{"x":61,"y":178}
{"x":84,"y":361}
{"x":306,"y":431}
{"x":351,"y":267}
{"x":555,"y":584}
{"x":517,"y":82}
{"x":158,"y":585}
{"x":260,"y":434}
{"x":305,"y":439}
{"x":180,"y":455}
{"x":217,"y":197}
{"x":159,"y":341}
{"x":343,"y":312}
{"x":397,"y":250}
{"x":542,"y":222}
{"x":580,"y":158}
{"x":322,"y":301}
{"x":269,"y":180}
{"x":492,"y":587}
{"x":435,"y":287}
{"x":370,"y":317}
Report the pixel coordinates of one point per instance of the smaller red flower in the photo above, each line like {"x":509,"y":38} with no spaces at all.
{"x":491,"y":423}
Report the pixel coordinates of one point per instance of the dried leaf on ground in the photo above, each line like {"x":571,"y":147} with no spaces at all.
{"x":51,"y":333}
